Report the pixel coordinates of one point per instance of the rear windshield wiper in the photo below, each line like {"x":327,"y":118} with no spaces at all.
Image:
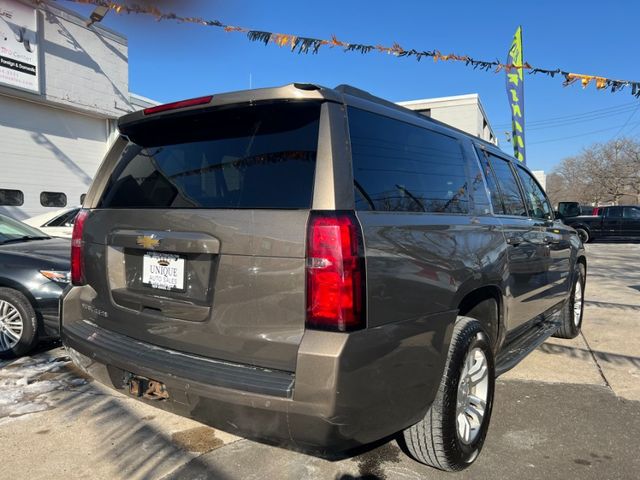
{"x":24,"y":238}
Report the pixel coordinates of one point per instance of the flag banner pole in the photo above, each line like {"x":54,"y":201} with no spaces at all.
{"x":515,"y":94}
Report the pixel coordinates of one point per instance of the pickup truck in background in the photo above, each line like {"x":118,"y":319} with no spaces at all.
{"x":574,"y":209}
{"x":604,"y":222}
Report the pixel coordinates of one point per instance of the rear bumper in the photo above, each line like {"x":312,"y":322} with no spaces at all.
{"x":348,"y":390}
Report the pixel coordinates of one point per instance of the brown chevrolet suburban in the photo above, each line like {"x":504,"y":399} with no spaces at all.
{"x":317,"y":268}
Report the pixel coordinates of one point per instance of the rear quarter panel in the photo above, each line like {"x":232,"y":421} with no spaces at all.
{"x":423,"y":264}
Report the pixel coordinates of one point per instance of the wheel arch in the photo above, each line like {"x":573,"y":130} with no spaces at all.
{"x":486,"y":305}
{"x":9,"y":283}
{"x":582,"y":259}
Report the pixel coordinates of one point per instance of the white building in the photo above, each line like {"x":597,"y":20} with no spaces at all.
{"x":62,"y":85}
{"x":541,"y":177}
{"x":464,"y":112}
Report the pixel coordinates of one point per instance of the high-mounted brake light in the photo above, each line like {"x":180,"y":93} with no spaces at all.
{"x":77,"y":249}
{"x":175,"y":105}
{"x":335,"y":272}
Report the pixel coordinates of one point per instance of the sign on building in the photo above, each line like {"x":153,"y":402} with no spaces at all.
{"x":18,"y":46}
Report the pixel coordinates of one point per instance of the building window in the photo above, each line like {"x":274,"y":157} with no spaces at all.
{"x":11,"y":198}
{"x":53,"y":199}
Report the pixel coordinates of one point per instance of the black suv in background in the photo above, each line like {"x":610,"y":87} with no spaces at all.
{"x":316,"y":267}
{"x":621,"y":221}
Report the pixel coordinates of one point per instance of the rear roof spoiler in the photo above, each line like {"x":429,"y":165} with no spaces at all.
{"x":290,"y":92}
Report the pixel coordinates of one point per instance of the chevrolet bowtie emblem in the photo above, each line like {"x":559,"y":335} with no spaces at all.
{"x":148,"y":241}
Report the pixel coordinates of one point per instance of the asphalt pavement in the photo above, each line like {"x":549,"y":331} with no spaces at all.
{"x":571,"y":410}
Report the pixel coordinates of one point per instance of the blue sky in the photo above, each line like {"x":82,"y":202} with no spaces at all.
{"x":170,"y":61}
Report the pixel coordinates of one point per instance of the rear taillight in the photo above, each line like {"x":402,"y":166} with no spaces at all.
{"x":335,"y":272}
{"x":175,"y":105}
{"x":77,"y":249}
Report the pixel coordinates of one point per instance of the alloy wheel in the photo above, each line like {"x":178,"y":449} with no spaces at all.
{"x":471,"y":402}
{"x":577,"y":303}
{"x":11,"y":326}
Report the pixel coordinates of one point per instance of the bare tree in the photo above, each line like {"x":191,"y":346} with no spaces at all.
{"x":632,"y":152}
{"x":577,"y":183}
{"x":600,"y":173}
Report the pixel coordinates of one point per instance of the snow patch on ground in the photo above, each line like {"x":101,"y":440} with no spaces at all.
{"x":26,"y":383}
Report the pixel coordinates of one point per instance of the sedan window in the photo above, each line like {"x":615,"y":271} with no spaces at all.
{"x":13,"y":231}
{"x":67,"y":218}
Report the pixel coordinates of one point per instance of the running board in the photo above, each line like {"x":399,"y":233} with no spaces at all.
{"x":523,"y":345}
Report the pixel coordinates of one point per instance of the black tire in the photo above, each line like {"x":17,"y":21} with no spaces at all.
{"x":569,"y":327}
{"x":434,"y":440}
{"x":584,"y":235}
{"x":29,"y":336}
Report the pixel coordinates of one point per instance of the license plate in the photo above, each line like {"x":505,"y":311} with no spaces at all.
{"x":163,"y":271}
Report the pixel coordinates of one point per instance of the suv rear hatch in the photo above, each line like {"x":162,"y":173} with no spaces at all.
{"x":197,"y":243}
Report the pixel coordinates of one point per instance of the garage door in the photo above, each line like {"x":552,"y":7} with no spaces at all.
{"x":45,"y":152}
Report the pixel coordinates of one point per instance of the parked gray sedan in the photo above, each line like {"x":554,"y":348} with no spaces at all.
{"x":318,"y":268}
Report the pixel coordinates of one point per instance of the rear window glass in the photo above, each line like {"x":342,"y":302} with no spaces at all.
{"x":253,"y":157}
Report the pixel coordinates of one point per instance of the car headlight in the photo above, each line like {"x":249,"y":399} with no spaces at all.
{"x":57,"y":276}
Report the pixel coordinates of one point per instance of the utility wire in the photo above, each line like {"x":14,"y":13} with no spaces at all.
{"x":561,"y":124}
{"x":619,"y":108}
{"x":625,"y":123}
{"x":579,"y":135}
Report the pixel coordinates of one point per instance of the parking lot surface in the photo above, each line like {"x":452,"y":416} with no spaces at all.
{"x":570,"y":410}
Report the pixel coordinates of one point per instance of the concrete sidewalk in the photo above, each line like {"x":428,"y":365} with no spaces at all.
{"x":607,"y":352}
{"x":538,"y":431}
{"x":570,"y":410}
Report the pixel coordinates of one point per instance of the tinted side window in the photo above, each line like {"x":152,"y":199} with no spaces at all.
{"x":631,"y":212}
{"x":536,"y":199}
{"x":404,"y":168}
{"x":53,"y":199}
{"x":11,"y":198}
{"x":511,"y":197}
{"x":496,"y":198}
{"x":613,"y":212}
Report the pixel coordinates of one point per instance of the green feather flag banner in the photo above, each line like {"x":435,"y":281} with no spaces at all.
{"x":300,"y":44}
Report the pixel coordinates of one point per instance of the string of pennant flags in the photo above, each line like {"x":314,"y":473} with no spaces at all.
{"x":304,"y":45}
